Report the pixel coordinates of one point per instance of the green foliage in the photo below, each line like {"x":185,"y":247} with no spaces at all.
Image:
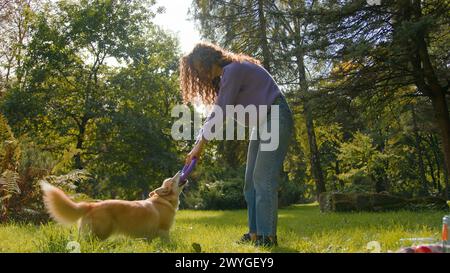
{"x":371,"y":201}
{"x":291,"y":193}
{"x":111,"y":119}
{"x":9,"y":179}
{"x":9,"y":186}
{"x":65,"y":162}
{"x":9,"y":151}
{"x":24,"y":164}
{"x":25,"y":204}
{"x":222,"y":195}
{"x":95,"y":82}
{"x":34,"y":162}
{"x":144,"y":96}
{"x":358,"y":158}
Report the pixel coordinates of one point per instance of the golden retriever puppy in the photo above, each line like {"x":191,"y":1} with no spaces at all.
{"x":143,"y":219}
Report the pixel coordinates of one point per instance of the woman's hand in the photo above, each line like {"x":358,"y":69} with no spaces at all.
{"x":195,"y":152}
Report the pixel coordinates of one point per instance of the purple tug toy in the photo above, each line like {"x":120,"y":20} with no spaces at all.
{"x":187,"y":169}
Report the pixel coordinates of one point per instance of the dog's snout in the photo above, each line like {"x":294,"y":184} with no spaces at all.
{"x":177,"y":176}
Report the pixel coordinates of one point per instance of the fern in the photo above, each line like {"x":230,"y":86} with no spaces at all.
{"x":9,"y":152}
{"x":9,"y":186}
{"x":67,"y":181}
{"x":9,"y":183}
{"x":5,"y":130}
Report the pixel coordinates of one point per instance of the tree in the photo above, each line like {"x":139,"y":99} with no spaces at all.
{"x":15,"y":21}
{"x":132,"y":147}
{"x":234,"y":23}
{"x":393,"y":45}
{"x":100,"y":84}
{"x":292,"y":38}
{"x":66,"y":63}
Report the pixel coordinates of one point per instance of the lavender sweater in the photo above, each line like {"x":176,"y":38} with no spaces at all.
{"x":243,"y":84}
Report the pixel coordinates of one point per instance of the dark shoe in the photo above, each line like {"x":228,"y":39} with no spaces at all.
{"x":245,"y":239}
{"x":266,"y":241}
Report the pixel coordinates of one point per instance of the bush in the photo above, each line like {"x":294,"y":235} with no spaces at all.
{"x":429,"y":202}
{"x":228,"y":194}
{"x":32,"y":164}
{"x":342,"y":202}
{"x":289,"y":193}
{"x":221,"y":195}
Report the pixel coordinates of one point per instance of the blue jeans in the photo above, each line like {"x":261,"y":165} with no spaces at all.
{"x":262,"y":175}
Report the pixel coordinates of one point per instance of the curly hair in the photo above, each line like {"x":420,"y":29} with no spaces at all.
{"x":193,"y":83}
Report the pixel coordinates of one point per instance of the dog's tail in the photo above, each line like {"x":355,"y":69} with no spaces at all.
{"x":60,"y":207}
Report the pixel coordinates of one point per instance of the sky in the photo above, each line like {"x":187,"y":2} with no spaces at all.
{"x":175,"y":19}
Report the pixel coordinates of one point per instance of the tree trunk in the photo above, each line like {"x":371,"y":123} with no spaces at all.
{"x":337,"y":171}
{"x":447,"y":184}
{"x":263,"y":36}
{"x":435,"y":149}
{"x":425,"y":77}
{"x":429,"y":81}
{"x":80,"y":141}
{"x":443,"y":121}
{"x":432,"y":174}
{"x":419,"y":153}
{"x":77,"y":157}
{"x":381,"y":180}
{"x":316,"y":168}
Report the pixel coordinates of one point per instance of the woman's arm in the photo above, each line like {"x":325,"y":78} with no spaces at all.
{"x":196,"y":151}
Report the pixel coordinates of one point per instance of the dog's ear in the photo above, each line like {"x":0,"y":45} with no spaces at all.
{"x":162,"y":191}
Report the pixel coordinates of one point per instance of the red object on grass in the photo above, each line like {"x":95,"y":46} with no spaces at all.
{"x":423,"y":249}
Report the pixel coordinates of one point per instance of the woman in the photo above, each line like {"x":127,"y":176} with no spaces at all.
{"x":217,"y":76}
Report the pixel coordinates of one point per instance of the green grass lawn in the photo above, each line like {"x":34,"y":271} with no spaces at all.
{"x":302,"y":228}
